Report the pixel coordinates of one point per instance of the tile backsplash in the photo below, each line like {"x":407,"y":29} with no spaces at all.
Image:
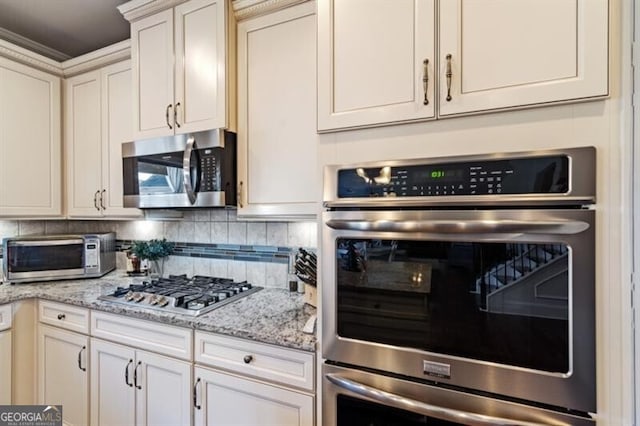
{"x":208,"y":242}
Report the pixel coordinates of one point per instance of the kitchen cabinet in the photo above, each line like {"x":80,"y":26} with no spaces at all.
{"x":377,"y":64}
{"x":277,"y":146}
{"x":30,"y":142}
{"x":180,"y":73}
{"x":63,"y":359}
{"x":97,"y":122}
{"x":131,"y":386}
{"x":63,"y":378}
{"x":247,"y":383}
{"x":5,"y":354}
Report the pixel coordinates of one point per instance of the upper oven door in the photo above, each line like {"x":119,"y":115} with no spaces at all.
{"x":495,"y":300}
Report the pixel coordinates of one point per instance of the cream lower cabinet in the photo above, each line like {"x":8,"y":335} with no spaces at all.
{"x":97,"y":123}
{"x":30,"y":142}
{"x":278,"y":175}
{"x":376,"y":63}
{"x":238,"y":382}
{"x":5,"y":354}
{"x":63,"y":357}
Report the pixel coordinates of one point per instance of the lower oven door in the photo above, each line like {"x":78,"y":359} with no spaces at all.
{"x":500,"y":301}
{"x":357,"y":398}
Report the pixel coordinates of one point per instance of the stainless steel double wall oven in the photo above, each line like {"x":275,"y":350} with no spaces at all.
{"x":460,"y":290}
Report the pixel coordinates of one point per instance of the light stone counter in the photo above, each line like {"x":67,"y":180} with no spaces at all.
{"x":272,"y":316}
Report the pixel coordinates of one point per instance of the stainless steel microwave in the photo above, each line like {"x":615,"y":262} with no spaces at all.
{"x":56,"y":257}
{"x":191,"y":170}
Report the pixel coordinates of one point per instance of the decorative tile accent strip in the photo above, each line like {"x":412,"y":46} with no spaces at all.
{"x":269,"y":254}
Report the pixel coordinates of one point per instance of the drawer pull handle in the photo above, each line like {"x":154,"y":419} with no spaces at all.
{"x":80,"y":359}
{"x":247,"y":359}
{"x":126,"y":374}
{"x":61,"y":316}
{"x":135,"y":376}
{"x":195,"y":395}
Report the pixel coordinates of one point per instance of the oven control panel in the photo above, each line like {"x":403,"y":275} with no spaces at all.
{"x":535,"y":175}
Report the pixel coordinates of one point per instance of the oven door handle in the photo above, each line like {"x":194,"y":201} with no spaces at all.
{"x":563,"y":227}
{"x":408,"y":404}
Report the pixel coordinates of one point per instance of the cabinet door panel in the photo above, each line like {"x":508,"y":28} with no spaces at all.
{"x":5,"y":367}
{"x":112,"y":400}
{"x":30,"y":151}
{"x":233,"y":401}
{"x":506,"y":53}
{"x":277,"y":64}
{"x":200,"y":35}
{"x":117,"y":128}
{"x":83,"y":144}
{"x":165,"y":390}
{"x":152,"y":54}
{"x":62,"y":355}
{"x":370,"y":62}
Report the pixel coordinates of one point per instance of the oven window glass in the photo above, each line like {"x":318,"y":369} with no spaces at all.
{"x":499,"y":302}
{"x":45,"y":258}
{"x":356,"y":412}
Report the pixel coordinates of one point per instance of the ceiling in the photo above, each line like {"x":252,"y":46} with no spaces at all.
{"x":62,"y":29}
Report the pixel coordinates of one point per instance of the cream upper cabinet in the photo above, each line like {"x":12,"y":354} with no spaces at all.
{"x":97,"y":123}
{"x":278,"y":175}
{"x":30,"y":142}
{"x":492,"y":55}
{"x":180,"y":69}
{"x":502,"y":54}
{"x":375,"y":62}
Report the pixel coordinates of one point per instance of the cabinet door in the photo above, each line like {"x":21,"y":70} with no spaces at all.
{"x":5,"y":367}
{"x":30,"y":151}
{"x":152,"y":56}
{"x":200,"y":66}
{"x":117,"y":128}
{"x":163,"y":390}
{"x":83,"y":144}
{"x":509,"y":54}
{"x":225,"y":399}
{"x":112,"y":389}
{"x":63,"y":377}
{"x":277,"y":146}
{"x":371,"y":62}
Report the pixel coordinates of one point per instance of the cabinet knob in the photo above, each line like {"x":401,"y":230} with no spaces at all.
{"x":248,"y":359}
{"x":61,"y":316}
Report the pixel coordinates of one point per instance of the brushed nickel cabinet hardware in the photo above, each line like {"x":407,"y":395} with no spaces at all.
{"x":135,"y":375}
{"x":449,"y":74}
{"x":425,"y":80}
{"x":61,"y":316}
{"x":195,"y":395}
{"x":167,"y":116}
{"x":102,"y":199}
{"x":95,"y":200}
{"x":126,"y":374}
{"x":247,"y":359}
{"x":240,"y":194}
{"x":80,"y":359}
{"x":175,"y":115}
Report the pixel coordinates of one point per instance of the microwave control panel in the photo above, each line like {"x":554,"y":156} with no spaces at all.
{"x":209,"y":169}
{"x":91,"y":254}
{"x":536,"y":175}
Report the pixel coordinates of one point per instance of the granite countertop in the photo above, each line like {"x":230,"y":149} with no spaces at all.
{"x":274,"y":316}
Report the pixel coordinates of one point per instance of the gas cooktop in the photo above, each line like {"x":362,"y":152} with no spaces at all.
{"x":180,"y":294}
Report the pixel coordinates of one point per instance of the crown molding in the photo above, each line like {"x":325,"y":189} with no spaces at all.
{"x":98,"y":58}
{"x":245,"y":9}
{"x":136,"y":9}
{"x":16,"y":53}
{"x":32,"y":46}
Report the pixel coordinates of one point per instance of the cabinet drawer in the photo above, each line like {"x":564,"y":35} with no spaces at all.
{"x":156,"y":337}
{"x":5,"y":317}
{"x":69,"y":317}
{"x":279,"y":365}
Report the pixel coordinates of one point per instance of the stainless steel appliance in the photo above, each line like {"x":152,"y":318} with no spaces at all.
{"x":56,"y":257}
{"x":194,"y":170}
{"x":181,"y":294}
{"x":471,"y":276}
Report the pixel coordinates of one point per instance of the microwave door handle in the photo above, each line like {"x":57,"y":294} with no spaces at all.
{"x":419,"y":407}
{"x":461,"y":226}
{"x":186,"y":169}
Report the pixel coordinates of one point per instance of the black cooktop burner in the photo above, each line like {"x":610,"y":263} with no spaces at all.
{"x":178,"y":293}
